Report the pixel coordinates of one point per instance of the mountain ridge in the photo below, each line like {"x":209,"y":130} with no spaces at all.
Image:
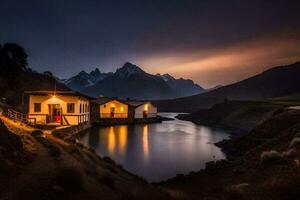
{"x":130,"y":81}
{"x":275,"y":82}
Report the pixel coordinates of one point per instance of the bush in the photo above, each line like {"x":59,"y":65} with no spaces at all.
{"x":295,"y":143}
{"x":270,"y":156}
{"x":69,"y":178}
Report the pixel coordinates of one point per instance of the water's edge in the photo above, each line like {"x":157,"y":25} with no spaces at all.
{"x":182,"y":137}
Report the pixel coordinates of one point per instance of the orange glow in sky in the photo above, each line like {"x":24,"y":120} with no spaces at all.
{"x":228,"y":64}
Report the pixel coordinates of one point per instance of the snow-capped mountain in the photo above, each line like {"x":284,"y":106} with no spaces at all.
{"x":130,"y":81}
{"x":184,"y":87}
{"x":84,"y":79}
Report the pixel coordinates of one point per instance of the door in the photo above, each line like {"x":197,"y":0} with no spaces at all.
{"x":112,"y":112}
{"x":144,"y":114}
{"x":55,"y":112}
{"x":57,"y":115}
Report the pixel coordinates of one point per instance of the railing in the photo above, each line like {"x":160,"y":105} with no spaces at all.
{"x":16,"y":115}
{"x":113,"y":115}
{"x":83,"y":117}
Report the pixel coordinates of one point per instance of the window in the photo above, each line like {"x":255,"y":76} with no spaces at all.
{"x":37,"y":107}
{"x":86,"y":108}
{"x":80,"y":108}
{"x":70,"y":107}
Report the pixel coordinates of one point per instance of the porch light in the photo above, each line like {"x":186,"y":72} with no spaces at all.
{"x":146,"y":107}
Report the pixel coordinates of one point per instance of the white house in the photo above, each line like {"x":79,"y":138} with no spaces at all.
{"x":58,"y":108}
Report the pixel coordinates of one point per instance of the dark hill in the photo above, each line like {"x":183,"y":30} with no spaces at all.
{"x":275,"y":82}
{"x":265,"y":165}
{"x":16,"y":77}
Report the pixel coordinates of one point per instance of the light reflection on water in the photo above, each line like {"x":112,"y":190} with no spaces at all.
{"x":157,"y":151}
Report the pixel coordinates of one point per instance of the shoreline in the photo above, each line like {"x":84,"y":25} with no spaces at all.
{"x":207,"y":164}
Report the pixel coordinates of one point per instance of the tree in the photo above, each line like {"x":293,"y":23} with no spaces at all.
{"x":16,"y":54}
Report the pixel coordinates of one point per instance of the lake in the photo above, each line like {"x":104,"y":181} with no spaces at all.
{"x":157,"y":151}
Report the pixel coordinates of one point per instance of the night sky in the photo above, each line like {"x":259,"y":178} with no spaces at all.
{"x":212,"y":42}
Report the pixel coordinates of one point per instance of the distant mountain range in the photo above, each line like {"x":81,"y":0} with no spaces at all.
{"x":275,"y":82}
{"x":130,"y":81}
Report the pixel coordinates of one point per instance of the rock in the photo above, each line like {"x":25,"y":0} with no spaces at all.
{"x":37,"y":133}
{"x":70,"y":139}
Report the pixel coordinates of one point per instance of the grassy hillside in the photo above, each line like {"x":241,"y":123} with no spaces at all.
{"x":275,"y":82}
{"x":238,"y":116}
{"x":33,"y":167}
{"x":266,"y":166}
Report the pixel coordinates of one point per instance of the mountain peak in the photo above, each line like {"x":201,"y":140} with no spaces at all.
{"x":82,"y":73}
{"x":167,"y":77}
{"x":96,"y":72}
{"x":128,"y":69}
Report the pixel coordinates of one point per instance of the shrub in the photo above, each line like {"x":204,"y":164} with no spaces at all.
{"x":295,"y":143}
{"x":270,"y":156}
{"x":69,"y":178}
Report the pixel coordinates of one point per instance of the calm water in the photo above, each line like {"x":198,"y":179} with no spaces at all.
{"x":157,"y":151}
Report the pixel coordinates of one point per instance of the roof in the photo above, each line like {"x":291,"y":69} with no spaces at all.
{"x":48,"y":92}
{"x":104,"y":100}
{"x":135,"y":103}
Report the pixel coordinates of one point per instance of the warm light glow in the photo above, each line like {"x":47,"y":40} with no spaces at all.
{"x":122,"y":139}
{"x":145,"y":142}
{"x":111,"y":140}
{"x":226,"y":64}
{"x":146,"y":107}
{"x":54,"y":99}
{"x":122,"y":109}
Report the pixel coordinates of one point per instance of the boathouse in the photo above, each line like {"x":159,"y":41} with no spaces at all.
{"x":143,"y":109}
{"x":114,"y":111}
{"x":58,"y":108}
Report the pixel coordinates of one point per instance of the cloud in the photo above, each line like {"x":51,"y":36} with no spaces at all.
{"x":231,"y":63}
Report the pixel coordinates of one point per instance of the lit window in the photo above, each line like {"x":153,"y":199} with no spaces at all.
{"x":37,"y":107}
{"x":70,"y":107}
